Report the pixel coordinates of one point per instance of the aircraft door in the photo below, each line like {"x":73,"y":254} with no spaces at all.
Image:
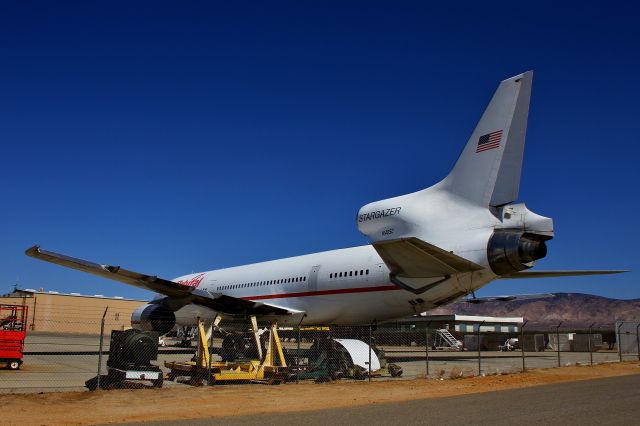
{"x":313,"y":278}
{"x":381,"y":275}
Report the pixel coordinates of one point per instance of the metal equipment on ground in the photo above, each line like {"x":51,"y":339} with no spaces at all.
{"x":12,"y":334}
{"x":446,"y":341}
{"x":332,"y":359}
{"x":511,"y":344}
{"x":269,"y":368}
{"x":130,"y":356}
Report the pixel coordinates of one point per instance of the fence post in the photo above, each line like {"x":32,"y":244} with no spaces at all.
{"x":479,"y":354}
{"x":426,"y":348}
{"x":100,"y":348}
{"x":522,"y":344}
{"x":209,"y":375}
{"x":298,"y":350}
{"x":558,"y":340}
{"x":618,"y":327}
{"x":370,"y":336}
{"x":590,"y":345}
{"x":638,"y":340}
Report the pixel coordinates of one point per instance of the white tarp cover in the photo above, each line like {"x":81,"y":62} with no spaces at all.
{"x":359,"y":352}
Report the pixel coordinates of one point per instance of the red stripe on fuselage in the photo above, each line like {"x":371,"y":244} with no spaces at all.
{"x":323,"y":292}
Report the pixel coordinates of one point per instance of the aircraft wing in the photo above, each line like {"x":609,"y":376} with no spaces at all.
{"x":182,"y":294}
{"x":548,"y":274}
{"x":418,"y":266}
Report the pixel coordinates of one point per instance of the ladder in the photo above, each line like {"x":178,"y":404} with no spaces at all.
{"x":445,"y":336}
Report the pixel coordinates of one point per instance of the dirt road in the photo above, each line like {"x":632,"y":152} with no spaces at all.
{"x":116,"y":406}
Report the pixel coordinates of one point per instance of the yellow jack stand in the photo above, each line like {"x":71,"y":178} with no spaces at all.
{"x":270,"y":369}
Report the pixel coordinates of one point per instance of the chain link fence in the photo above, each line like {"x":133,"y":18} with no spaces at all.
{"x":66,"y":360}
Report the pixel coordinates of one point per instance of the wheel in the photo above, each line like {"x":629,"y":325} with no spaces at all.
{"x":395,"y":370}
{"x":359,"y":373}
{"x":158,"y":383}
{"x":14,"y":364}
{"x":196,"y":380}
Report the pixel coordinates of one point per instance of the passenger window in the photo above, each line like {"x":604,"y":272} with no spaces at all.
{"x":350,"y":273}
{"x":367,"y":272}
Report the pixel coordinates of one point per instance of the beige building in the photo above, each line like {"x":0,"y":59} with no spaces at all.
{"x":73,"y":313}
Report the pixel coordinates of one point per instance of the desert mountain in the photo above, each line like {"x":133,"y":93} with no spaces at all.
{"x":575,"y":309}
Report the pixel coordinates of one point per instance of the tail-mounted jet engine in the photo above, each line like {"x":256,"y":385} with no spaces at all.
{"x":511,"y":251}
{"x":153,"y":317}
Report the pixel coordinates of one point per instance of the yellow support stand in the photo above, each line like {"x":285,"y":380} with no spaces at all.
{"x":203,"y":346}
{"x":271,"y":368}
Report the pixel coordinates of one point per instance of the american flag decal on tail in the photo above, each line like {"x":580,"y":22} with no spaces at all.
{"x":489,"y":141}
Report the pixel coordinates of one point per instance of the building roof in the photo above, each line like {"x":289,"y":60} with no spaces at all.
{"x":475,"y":319}
{"x":30,"y":292}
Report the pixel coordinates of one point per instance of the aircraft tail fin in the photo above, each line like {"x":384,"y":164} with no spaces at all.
{"x":488,"y":170}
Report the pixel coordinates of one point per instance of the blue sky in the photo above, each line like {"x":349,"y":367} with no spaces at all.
{"x":175,"y":137}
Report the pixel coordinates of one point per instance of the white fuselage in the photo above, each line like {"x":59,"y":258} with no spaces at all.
{"x":346,"y":286}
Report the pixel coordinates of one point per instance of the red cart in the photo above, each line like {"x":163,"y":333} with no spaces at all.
{"x":13,"y":330}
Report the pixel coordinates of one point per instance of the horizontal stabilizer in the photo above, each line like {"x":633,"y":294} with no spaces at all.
{"x":549,"y":274}
{"x":414,"y":258}
{"x":418,"y":266}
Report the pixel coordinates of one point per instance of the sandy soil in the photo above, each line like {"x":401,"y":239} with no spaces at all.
{"x":116,"y":406}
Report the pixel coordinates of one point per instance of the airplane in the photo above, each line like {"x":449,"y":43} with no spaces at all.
{"x":428,"y":248}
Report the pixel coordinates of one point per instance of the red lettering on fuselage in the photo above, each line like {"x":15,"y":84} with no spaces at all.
{"x":193,"y":281}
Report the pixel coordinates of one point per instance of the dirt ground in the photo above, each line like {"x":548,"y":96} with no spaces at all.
{"x":129,"y":405}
